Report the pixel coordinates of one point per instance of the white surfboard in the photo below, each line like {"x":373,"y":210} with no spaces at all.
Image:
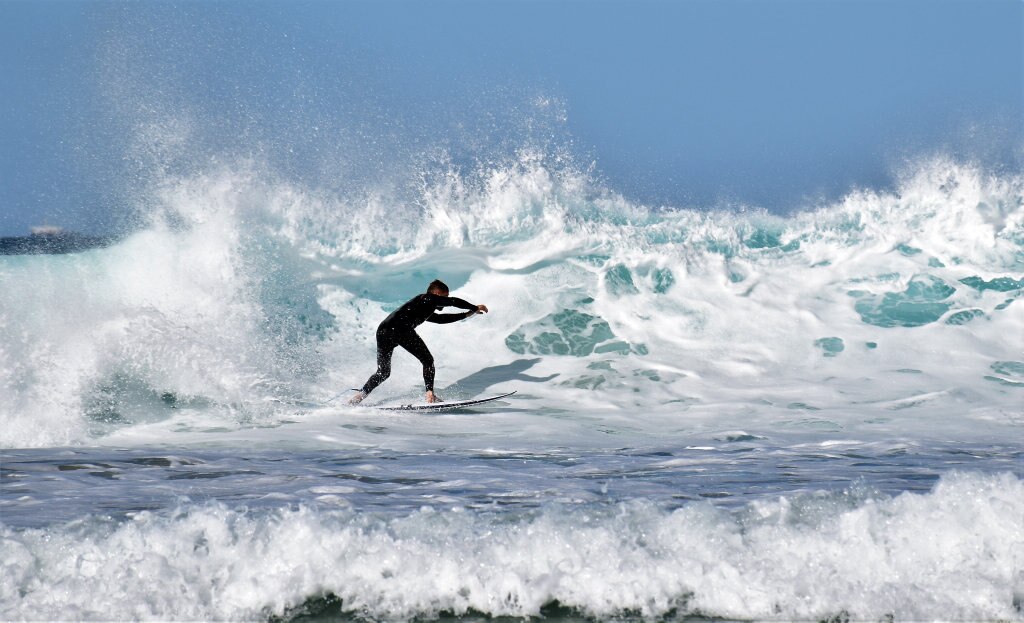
{"x":443,"y":406}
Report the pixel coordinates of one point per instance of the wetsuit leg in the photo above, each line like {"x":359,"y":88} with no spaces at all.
{"x":413,"y":343}
{"x":386,"y":344}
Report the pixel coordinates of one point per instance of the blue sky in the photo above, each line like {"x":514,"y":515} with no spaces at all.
{"x":690,"y":104}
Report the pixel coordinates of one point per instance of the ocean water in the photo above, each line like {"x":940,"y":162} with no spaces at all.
{"x":719,"y":414}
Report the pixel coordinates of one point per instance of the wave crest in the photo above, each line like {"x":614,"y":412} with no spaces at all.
{"x":951,"y":553}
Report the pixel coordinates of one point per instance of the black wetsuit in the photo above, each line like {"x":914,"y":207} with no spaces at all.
{"x":398,"y":329}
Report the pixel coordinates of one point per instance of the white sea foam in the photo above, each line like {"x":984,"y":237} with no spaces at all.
{"x":956,"y":553}
{"x":899,"y":309}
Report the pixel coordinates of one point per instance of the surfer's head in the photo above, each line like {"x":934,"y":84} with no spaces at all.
{"x":437,"y":287}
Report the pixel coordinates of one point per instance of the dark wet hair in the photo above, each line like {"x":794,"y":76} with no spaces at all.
{"x":437,"y":285}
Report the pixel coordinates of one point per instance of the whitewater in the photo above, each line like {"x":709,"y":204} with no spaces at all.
{"x":723,"y":414}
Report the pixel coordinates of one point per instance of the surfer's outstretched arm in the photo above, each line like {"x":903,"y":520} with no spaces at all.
{"x":450,"y":301}
{"x":449,"y":318}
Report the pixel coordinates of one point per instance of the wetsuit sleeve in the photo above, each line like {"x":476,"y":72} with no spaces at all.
{"x":448,"y":318}
{"x":451,"y":301}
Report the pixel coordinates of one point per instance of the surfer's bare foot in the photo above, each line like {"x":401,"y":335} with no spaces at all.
{"x":354,"y":400}
{"x":431,"y":398}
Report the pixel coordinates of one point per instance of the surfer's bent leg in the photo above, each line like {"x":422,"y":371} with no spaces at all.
{"x":413,"y":343}
{"x":385,"y":348}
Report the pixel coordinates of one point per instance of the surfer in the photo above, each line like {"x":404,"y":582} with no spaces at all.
{"x":398,"y":329}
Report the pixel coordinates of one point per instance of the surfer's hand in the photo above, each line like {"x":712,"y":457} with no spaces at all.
{"x":481,"y":309}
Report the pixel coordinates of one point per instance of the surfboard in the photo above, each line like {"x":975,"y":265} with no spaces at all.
{"x":443,"y":406}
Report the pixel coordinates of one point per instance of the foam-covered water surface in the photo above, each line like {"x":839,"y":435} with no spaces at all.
{"x":953,"y":551}
{"x":718,"y":413}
